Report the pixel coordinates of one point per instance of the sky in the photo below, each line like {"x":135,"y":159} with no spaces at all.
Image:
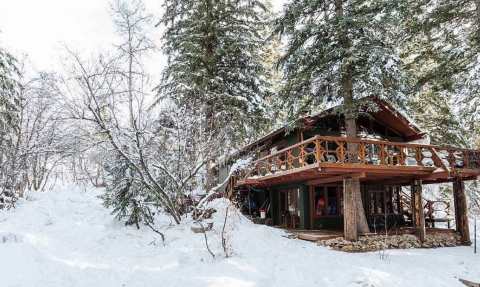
{"x":40,"y":29}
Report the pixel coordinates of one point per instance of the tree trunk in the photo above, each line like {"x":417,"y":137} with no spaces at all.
{"x":412,"y":205}
{"x":210,"y":120}
{"x":461,"y":215}
{"x":477,"y":14}
{"x":350,"y":123}
{"x":418,"y":210}
{"x":350,"y":212}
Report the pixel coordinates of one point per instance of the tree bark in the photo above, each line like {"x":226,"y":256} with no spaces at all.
{"x":418,"y":211}
{"x":210,"y":120}
{"x":412,"y":205}
{"x":461,"y":212}
{"x":350,"y":229}
{"x":477,"y":20}
{"x":350,"y":121}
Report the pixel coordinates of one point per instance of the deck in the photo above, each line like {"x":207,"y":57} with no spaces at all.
{"x":324,"y":159}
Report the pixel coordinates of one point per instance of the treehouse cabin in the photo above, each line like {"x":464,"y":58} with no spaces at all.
{"x":300,"y":178}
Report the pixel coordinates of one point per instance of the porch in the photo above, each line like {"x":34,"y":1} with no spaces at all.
{"x":312,"y":175}
{"x":324,"y":159}
{"x":320,"y":207}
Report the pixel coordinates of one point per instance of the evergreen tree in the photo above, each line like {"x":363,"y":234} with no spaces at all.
{"x":216,"y":64}
{"x":433,"y":113}
{"x":9,"y":126}
{"x":124,"y":195}
{"x":340,"y":51}
{"x":441,"y":53}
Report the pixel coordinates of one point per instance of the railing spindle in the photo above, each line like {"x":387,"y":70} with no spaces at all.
{"x":369,"y":152}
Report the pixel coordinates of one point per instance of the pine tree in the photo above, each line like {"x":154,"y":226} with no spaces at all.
{"x":216,"y":64}
{"x":9,"y":126}
{"x":124,"y":195}
{"x":441,"y":53}
{"x":433,"y":113}
{"x":9,"y":92}
{"x":341,"y":51}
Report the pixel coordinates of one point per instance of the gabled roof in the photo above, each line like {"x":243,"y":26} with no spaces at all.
{"x":385,"y":113}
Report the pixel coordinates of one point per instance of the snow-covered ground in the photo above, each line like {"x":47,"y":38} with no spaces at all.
{"x":67,"y":238}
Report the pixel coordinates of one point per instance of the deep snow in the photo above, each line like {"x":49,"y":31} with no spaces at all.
{"x":67,"y":238}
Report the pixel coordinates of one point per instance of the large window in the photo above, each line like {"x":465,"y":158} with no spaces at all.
{"x":327,"y":201}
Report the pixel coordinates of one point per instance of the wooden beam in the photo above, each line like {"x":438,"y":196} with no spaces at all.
{"x":418,"y":210}
{"x":461,"y":217}
{"x":438,"y":161}
{"x":337,"y":178}
{"x":380,"y":169}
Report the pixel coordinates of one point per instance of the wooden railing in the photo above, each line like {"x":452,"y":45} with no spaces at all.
{"x":334,"y":150}
{"x":435,"y":210}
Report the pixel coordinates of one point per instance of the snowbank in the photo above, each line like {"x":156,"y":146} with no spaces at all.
{"x":67,"y":238}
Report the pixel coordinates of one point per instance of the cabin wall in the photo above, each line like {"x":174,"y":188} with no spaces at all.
{"x":280,"y":143}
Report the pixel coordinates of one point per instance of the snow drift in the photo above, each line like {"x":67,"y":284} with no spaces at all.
{"x":67,"y":238}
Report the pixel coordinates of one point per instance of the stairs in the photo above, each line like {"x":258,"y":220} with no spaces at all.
{"x":436,"y":211}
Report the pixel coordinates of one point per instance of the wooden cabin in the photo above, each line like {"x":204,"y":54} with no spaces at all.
{"x":298,"y":176}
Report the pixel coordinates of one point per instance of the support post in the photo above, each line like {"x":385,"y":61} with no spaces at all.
{"x":349,"y":209}
{"x":419,"y":215}
{"x":461,"y":216}
{"x":412,"y":205}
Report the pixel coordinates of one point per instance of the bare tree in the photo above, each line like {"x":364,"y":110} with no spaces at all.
{"x":152,"y":157}
{"x":43,"y":141}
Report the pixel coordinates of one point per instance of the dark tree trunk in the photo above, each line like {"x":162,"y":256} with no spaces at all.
{"x":418,"y":210}
{"x":210,"y":120}
{"x":477,"y":14}
{"x":461,"y":215}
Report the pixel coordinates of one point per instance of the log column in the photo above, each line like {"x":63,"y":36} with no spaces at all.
{"x":461,"y":216}
{"x":349,"y":209}
{"x":418,"y":213}
{"x":412,"y":204}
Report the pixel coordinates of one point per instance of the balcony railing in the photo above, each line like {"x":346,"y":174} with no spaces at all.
{"x":334,"y":150}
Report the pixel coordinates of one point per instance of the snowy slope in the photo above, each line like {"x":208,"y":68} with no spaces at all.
{"x":66,"y":238}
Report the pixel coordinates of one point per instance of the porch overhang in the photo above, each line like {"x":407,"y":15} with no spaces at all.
{"x":332,"y":173}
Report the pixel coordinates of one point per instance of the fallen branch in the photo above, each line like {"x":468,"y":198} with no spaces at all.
{"x":158,"y":232}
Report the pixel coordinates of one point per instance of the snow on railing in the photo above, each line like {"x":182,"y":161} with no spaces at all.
{"x":334,"y":150}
